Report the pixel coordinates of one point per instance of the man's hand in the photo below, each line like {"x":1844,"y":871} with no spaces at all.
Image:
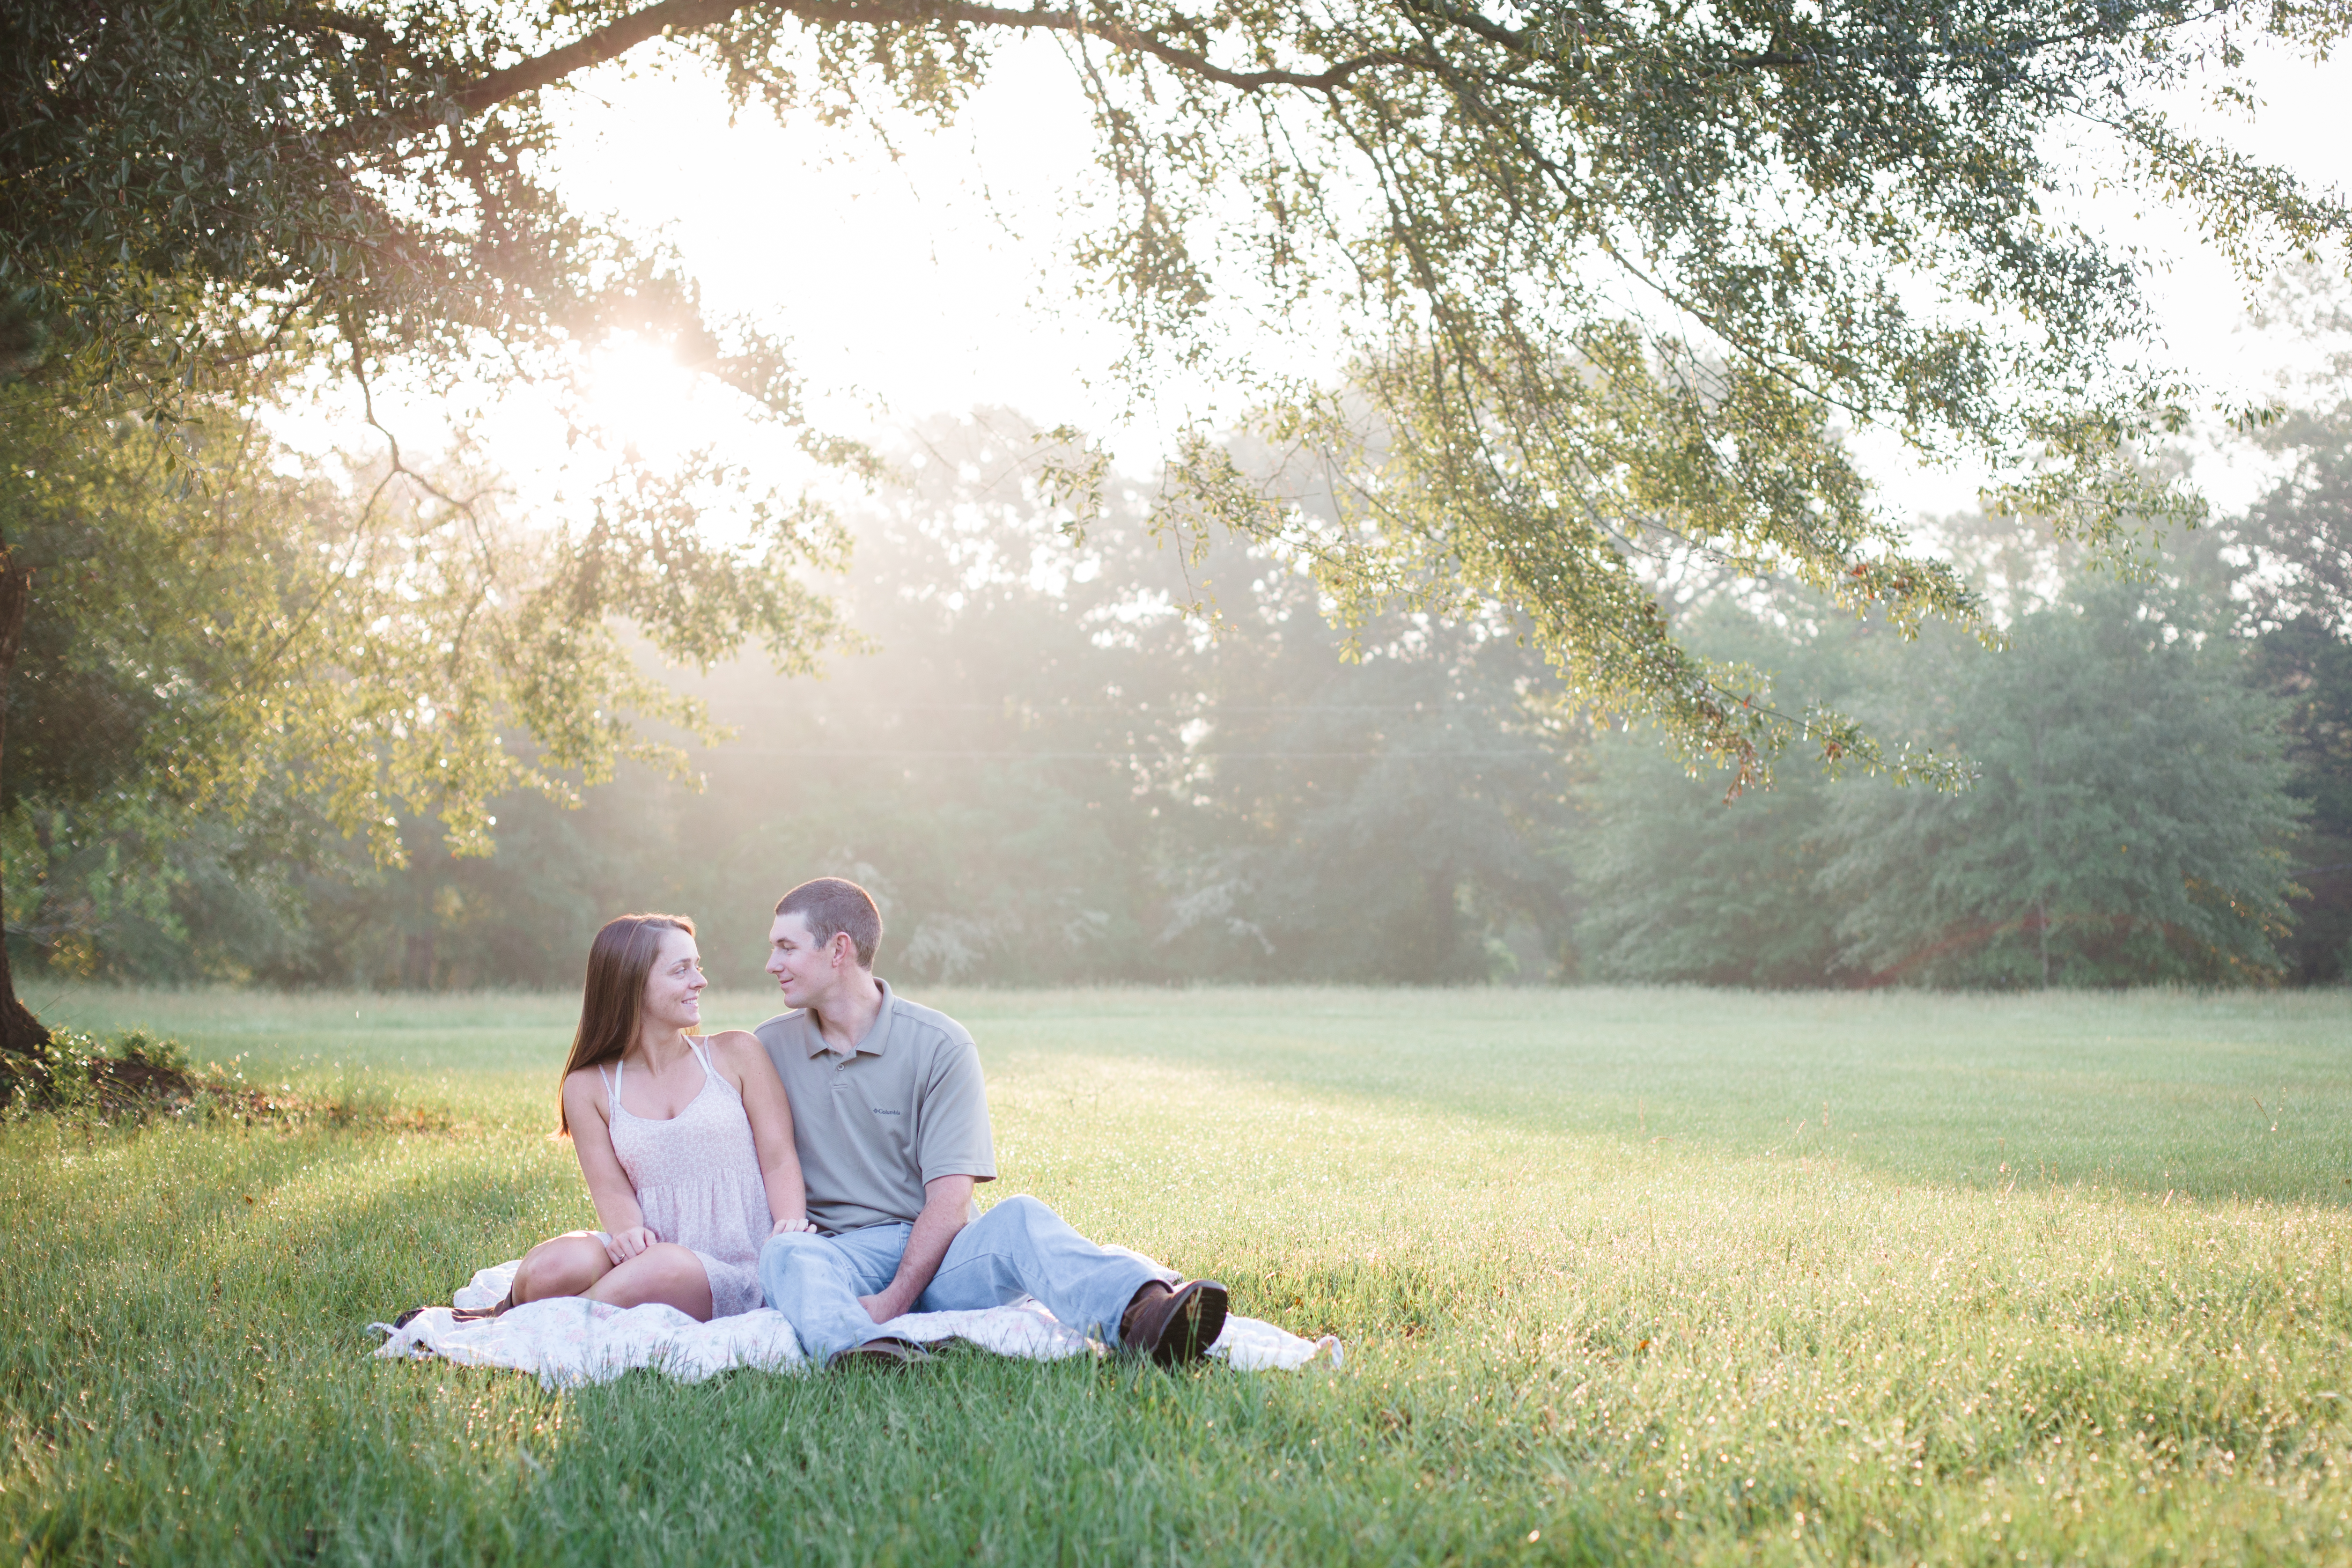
{"x":946,"y":1200}
{"x":882,"y":1306}
{"x":801,"y":1222}
{"x":626,"y":1244}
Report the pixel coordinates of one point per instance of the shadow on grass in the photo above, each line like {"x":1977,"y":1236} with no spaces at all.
{"x":187,"y":1380}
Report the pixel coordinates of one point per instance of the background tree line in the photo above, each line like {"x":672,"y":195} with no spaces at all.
{"x":1052,"y":774}
{"x":1577,"y":300}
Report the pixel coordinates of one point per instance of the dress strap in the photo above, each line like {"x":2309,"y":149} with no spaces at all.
{"x":701,"y":1051}
{"x":613,"y":1084}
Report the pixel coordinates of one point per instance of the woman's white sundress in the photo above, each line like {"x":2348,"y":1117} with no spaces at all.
{"x":697,"y":1176}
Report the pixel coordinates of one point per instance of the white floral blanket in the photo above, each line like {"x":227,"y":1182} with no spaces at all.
{"x":571,"y":1340}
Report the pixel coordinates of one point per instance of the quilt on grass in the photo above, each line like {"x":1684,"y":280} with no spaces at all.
{"x":570,"y":1340}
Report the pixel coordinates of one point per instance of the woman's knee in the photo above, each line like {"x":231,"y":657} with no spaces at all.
{"x":663,"y":1272}
{"x":563,"y":1266}
{"x":672,"y":1264}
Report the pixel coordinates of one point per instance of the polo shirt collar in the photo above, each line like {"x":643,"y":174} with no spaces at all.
{"x":876,"y":1036}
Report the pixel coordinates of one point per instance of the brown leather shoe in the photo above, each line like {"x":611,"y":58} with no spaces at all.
{"x":1173,"y":1325}
{"x":890,"y":1353}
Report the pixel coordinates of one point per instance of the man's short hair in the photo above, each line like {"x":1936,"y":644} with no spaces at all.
{"x":833,"y":904}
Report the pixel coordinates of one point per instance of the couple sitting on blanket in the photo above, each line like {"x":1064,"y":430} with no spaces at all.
{"x":822,"y":1164}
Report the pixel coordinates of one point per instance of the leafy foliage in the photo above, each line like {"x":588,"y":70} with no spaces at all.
{"x":1678,"y":884}
{"x":2130,"y":822}
{"x":2312,"y":671}
{"x":77,"y":1073}
{"x":203,"y":625}
{"x":2297,"y":544}
{"x":1602,"y":281}
{"x":1052,"y":775}
{"x":2129,"y":825}
{"x":209,"y":207}
{"x":1046,"y":770}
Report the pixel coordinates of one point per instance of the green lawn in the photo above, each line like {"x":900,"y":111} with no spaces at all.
{"x":1659,"y":1276}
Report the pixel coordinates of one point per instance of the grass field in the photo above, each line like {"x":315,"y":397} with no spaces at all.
{"x":1624,"y":1276}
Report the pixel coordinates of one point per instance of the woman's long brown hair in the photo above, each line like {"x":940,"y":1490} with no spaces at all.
{"x":613,"y":1002}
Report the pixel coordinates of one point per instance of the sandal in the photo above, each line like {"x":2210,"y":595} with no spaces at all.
{"x":458,"y":1314}
{"x":482,"y":1314}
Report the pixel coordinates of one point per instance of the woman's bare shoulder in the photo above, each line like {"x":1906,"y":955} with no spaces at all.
{"x":740,"y":1052}
{"x":587,"y":1082}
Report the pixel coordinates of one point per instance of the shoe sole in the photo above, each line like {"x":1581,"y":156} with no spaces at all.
{"x":1198,"y":1319}
{"x":891,"y":1360}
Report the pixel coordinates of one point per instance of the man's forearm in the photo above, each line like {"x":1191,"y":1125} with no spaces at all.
{"x":936,"y":1228}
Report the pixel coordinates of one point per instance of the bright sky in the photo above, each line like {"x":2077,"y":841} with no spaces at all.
{"x":936,"y":282}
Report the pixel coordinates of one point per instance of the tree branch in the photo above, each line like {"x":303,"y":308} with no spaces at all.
{"x":693,"y":15}
{"x":604,"y":44}
{"x":669,"y":17}
{"x":365,"y":29}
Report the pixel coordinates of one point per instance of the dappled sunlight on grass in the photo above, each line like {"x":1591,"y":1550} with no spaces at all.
{"x":1584,"y":1303}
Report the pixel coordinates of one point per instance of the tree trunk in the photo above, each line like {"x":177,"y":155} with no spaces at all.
{"x":22,"y":1035}
{"x":2042,"y":925}
{"x":418,"y":962}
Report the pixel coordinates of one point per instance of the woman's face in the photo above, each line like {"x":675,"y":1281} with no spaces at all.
{"x":673,"y":988}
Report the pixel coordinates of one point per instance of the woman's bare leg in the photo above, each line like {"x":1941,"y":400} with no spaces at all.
{"x":566,"y":1265}
{"x":663,"y":1272}
{"x":577,"y":1265}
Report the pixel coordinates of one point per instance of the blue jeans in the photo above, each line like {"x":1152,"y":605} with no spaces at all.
{"x":1020,"y":1248}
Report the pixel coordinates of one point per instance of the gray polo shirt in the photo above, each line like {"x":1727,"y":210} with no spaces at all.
{"x":908,"y":1107}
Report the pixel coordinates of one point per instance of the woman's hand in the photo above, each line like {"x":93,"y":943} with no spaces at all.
{"x":627,"y":1243}
{"x":791,"y":1222}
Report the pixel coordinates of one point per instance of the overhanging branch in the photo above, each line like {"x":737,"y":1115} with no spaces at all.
{"x":674,"y":16}
{"x":604,"y":44}
{"x":694,"y":16}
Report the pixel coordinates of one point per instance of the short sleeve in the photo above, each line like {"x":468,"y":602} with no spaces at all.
{"x":953,"y":1138}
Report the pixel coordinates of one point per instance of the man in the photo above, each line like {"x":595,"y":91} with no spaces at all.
{"x":891,"y":1121}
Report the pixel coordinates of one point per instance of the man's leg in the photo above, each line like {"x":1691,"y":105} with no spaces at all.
{"x":1021,"y":1248}
{"x":816,"y":1281}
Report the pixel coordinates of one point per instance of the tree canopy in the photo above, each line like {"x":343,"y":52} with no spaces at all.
{"x":1599,"y":283}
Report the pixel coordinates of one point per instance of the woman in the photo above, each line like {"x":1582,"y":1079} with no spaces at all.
{"x":686,"y":1140}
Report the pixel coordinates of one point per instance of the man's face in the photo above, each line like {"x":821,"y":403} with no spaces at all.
{"x":805,"y":969}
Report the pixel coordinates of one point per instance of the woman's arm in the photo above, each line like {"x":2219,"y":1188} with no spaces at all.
{"x":743,"y":1059}
{"x":608,"y":1184}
